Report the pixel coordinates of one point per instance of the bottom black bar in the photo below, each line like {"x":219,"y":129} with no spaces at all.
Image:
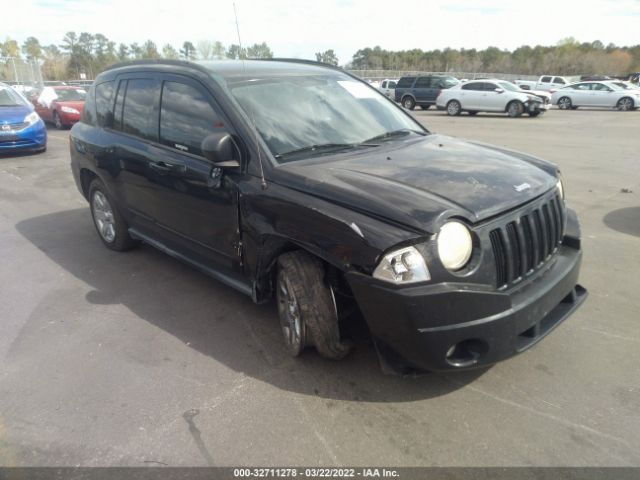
{"x":403,"y":473}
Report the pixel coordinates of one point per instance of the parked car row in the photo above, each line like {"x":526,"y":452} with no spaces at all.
{"x":513,"y":98}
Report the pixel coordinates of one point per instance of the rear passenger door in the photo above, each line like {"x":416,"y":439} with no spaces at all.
{"x":421,"y":90}
{"x":471,"y":95}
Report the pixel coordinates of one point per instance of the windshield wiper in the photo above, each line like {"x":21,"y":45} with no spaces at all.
{"x":393,"y":134}
{"x":319,"y":148}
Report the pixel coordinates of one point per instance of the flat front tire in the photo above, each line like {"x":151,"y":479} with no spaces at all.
{"x":111,"y":227}
{"x":307,"y":308}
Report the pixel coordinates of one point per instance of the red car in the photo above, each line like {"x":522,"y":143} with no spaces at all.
{"x":61,"y":106}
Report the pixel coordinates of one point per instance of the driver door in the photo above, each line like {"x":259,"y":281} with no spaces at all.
{"x":196,"y":206}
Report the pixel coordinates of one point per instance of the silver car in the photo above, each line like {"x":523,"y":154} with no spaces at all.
{"x":596,"y":94}
{"x":491,"y":95}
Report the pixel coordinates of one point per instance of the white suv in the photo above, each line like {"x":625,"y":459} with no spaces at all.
{"x":491,"y":95}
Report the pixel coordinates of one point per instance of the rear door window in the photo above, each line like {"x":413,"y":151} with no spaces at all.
{"x":477,"y":86}
{"x":139,"y":114}
{"x":186,"y":117}
{"x":558,"y":80}
{"x":406,"y":82}
{"x":423,"y":82}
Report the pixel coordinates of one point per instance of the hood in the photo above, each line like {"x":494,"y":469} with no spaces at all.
{"x":78,"y":105}
{"x":14,"y":114}
{"x":417,"y":182}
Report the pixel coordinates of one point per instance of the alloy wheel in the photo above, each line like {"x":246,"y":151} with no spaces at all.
{"x":103,"y":217}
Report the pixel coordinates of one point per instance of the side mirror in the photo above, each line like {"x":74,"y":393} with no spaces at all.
{"x":499,"y":90}
{"x":219,"y":148}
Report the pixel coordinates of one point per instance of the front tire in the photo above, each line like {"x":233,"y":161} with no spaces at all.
{"x":515,"y":109}
{"x":472,"y":113}
{"x":409,"y":103}
{"x":536,"y":113}
{"x":564,"y":103}
{"x":454,"y":108}
{"x":307,"y":308}
{"x":625,"y":104}
{"x":57,"y":122}
{"x":111,"y":227}
{"x":425,"y":107}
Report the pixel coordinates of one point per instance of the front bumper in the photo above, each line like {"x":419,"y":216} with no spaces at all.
{"x":33,"y":137}
{"x":450,"y":326}
{"x":68,"y":119}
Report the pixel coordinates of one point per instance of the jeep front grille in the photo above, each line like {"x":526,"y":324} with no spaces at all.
{"x":526,"y":243}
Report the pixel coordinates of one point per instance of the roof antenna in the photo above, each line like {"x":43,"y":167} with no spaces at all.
{"x":263,"y":183}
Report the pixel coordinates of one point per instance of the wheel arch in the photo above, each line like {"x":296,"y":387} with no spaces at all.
{"x":86,"y":177}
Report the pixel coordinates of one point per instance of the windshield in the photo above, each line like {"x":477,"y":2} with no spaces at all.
{"x":296,"y":112}
{"x":71,"y":95}
{"x":510,"y":86}
{"x":10,"y":98}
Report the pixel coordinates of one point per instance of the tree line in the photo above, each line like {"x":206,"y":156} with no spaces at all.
{"x":567,"y":57}
{"x":89,"y":54}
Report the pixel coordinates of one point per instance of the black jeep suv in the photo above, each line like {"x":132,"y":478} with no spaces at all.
{"x":298,"y":181}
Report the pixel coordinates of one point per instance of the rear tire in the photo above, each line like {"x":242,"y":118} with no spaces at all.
{"x":454,"y":108}
{"x":111,"y":227}
{"x":535,"y":114}
{"x":425,"y":107}
{"x":564,"y":103}
{"x":472,"y":113}
{"x":306,"y":307}
{"x":409,"y":103}
{"x":515,"y":109}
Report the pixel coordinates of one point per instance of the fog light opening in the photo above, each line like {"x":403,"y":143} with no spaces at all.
{"x":466,"y":353}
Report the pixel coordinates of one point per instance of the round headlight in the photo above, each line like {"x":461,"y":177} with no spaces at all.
{"x":454,"y":245}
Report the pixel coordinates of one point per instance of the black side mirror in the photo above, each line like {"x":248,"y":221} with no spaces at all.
{"x":219,"y":148}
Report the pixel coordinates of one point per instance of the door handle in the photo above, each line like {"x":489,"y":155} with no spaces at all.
{"x":164,"y":167}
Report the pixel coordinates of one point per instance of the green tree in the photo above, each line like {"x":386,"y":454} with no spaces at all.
{"x":169,"y":52}
{"x":10,"y":48}
{"x":328,"y":56}
{"x":32,"y":48}
{"x":123,"y":52}
{"x":259,"y":50}
{"x":149,"y":50}
{"x":188,"y":51}
{"x":234,"y":52}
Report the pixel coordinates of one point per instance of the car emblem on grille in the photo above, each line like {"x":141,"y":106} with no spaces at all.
{"x":522,"y":187}
{"x":6,"y":127}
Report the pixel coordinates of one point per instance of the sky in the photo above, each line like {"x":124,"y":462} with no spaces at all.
{"x":301,"y":28}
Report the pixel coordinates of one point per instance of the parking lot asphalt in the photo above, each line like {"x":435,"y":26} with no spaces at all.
{"x":136,"y":359}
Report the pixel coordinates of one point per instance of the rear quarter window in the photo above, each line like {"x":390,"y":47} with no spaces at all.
{"x":104,"y":103}
{"x":89,"y":110}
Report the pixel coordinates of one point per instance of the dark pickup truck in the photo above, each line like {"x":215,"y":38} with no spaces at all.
{"x":422,"y":90}
{"x":299,"y":182}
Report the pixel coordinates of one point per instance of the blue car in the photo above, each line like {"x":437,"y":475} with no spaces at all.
{"x":21,"y":129}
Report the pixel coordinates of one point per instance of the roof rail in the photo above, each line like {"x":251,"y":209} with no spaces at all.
{"x":151,"y":61}
{"x":299,"y":60}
